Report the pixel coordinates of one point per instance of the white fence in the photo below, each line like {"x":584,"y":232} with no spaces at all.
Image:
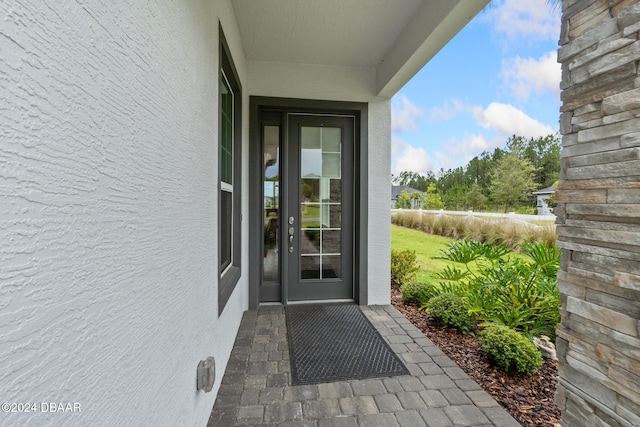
{"x":485,"y":215}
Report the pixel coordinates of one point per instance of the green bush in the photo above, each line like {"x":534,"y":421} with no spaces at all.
{"x":450,"y":310}
{"x":418,"y":292}
{"x":510,"y":350}
{"x":403,"y":266}
{"x":526,"y":210}
{"x":516,"y":292}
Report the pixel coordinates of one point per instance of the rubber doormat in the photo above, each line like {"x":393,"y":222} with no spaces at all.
{"x":336,"y":342}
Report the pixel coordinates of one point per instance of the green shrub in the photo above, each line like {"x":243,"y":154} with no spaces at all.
{"x":510,"y":350}
{"x":516,"y":292}
{"x":450,"y":310}
{"x":418,"y":292}
{"x":404,"y":200}
{"x":526,"y":210}
{"x":403,"y":266}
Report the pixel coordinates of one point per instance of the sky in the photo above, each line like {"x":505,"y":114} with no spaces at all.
{"x":498,"y":77}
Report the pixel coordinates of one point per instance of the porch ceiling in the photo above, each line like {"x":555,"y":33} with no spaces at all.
{"x":394,"y":37}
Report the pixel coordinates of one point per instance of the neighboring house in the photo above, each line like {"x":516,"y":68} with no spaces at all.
{"x":415,"y":200}
{"x":139,"y":142}
{"x":542,"y":196}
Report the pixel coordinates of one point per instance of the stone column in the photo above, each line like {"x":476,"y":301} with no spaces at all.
{"x":599,"y":214}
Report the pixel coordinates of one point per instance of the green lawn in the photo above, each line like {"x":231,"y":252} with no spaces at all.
{"x":426,"y":247}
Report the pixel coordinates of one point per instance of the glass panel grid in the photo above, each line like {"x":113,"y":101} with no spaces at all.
{"x":320,"y":203}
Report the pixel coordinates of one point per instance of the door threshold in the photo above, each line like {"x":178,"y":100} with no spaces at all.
{"x":321,"y":301}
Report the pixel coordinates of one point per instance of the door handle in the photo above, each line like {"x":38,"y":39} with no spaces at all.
{"x":291,"y":233}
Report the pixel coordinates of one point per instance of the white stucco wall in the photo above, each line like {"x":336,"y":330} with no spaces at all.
{"x":108,"y":209}
{"x":379,"y":234}
{"x":308,"y":81}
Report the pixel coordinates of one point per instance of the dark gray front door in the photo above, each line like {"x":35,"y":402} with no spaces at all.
{"x":318,"y":216}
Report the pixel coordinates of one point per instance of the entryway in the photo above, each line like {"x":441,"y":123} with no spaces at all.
{"x":256,"y":388}
{"x":306,"y":202}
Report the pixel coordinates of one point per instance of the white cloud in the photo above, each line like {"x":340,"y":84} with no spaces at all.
{"x":404,"y":114}
{"x":524,"y":76}
{"x":530,"y":19}
{"x":504,"y":120}
{"x":409,"y":158}
{"x":460,"y":152}
{"x":507,"y":120}
{"x":448,"y":111}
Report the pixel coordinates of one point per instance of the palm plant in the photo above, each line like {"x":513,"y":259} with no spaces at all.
{"x":517,"y":292}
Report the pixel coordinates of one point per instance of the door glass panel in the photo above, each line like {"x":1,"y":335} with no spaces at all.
{"x":310,"y":190}
{"x":330,"y":242}
{"x":331,"y":139}
{"x":335,"y":212}
{"x":311,"y":215}
{"x":311,"y":138}
{"x":330,"y":166}
{"x":331,"y":267}
{"x":310,"y":241}
{"x":310,"y":267}
{"x":320,"y":202}
{"x":271,"y":202}
{"x":335,"y":190}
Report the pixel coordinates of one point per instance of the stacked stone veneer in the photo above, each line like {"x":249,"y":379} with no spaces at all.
{"x":599,"y":214}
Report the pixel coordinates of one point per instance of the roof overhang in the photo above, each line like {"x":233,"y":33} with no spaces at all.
{"x":393,"y":39}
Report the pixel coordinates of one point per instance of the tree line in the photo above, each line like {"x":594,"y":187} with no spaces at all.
{"x":500,"y":180}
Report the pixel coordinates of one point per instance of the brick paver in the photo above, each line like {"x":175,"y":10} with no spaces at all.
{"x":256,"y":388}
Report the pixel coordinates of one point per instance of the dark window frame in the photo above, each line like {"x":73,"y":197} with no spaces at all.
{"x":229,"y":272}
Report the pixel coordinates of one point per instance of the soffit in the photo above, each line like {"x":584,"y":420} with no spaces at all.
{"x":347,"y":33}
{"x":393,"y":37}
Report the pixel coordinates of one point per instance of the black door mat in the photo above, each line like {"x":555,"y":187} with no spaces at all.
{"x":336,"y":342}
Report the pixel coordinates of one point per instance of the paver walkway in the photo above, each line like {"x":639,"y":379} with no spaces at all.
{"x":256,"y":389}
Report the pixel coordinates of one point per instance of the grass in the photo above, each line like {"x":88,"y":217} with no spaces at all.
{"x":426,"y":246}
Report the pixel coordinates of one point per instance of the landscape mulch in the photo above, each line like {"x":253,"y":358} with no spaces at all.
{"x":528,"y":399}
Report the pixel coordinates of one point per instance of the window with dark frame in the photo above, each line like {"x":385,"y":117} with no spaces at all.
{"x":229,"y":139}
{"x":226,"y":172}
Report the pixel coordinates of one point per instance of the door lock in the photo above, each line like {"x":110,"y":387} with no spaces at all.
{"x":292,"y":231}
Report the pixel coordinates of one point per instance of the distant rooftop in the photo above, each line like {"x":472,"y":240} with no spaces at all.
{"x":548,"y":190}
{"x":397,"y":189}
